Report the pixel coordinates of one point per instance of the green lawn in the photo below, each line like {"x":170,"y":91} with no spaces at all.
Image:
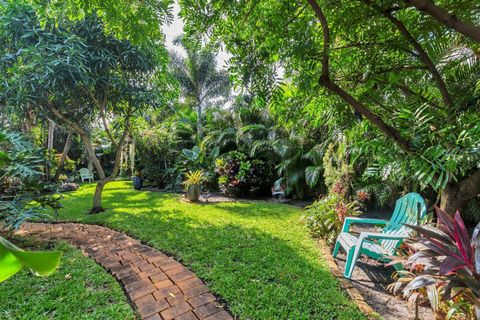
{"x":80,"y":289}
{"x":257,"y":255}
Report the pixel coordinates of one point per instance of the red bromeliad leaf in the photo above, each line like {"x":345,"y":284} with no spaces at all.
{"x":445,"y":222}
{"x":430,"y":233}
{"x":450,"y":264}
{"x":440,"y":248}
{"x":462,"y":239}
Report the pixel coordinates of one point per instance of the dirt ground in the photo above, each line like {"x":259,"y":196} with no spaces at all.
{"x":371,"y":278}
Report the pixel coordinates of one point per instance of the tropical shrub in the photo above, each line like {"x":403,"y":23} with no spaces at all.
{"x":241,"y":176}
{"x":157,"y":156}
{"x":24,"y":193}
{"x":325,"y":216}
{"x":444,"y":266}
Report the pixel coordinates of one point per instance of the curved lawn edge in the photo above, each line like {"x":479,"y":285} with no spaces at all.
{"x":159,"y":286}
{"x":257,"y":256}
{"x":78,"y":289}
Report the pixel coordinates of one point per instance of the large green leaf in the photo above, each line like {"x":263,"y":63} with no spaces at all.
{"x":13,"y":259}
{"x":312,"y":174}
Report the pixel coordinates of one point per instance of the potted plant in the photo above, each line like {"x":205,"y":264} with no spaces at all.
{"x":138,"y":180}
{"x":192,"y":184}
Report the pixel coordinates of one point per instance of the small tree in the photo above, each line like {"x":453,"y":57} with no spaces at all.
{"x":78,"y":75}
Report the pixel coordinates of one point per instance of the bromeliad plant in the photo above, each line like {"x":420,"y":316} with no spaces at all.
{"x":445,"y":266}
{"x":192,"y":183}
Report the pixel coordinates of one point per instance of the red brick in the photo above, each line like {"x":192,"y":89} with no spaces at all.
{"x":154,"y":317}
{"x":222,"y":315}
{"x":142,"y":263}
{"x":178,"y":269}
{"x":190,"y":293}
{"x":158,"y":277}
{"x":176,"y":298}
{"x":130,"y":279}
{"x":142,"y":291}
{"x":173,"y":312}
{"x":207,"y":310}
{"x":125,"y":273}
{"x":169,"y":266}
{"x":163,"y":284}
{"x":189,"y":283}
{"x":158,"y":257}
{"x":201,"y":300}
{"x":153,"y":307}
{"x":182,"y":276}
{"x":166,"y":292}
{"x":137,"y":284}
{"x":145,"y":301}
{"x":187,"y":316}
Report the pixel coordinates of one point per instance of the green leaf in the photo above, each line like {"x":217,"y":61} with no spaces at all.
{"x":13,"y":259}
{"x":312,"y":174}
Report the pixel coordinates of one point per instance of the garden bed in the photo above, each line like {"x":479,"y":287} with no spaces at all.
{"x":371,"y":278}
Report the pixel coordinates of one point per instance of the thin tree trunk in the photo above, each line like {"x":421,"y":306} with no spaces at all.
{"x":132,"y":157}
{"x":64,"y":156}
{"x":444,"y":17}
{"x":50,"y":137}
{"x":199,"y":122}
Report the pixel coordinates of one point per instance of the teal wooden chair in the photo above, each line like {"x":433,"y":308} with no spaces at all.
{"x":409,"y":209}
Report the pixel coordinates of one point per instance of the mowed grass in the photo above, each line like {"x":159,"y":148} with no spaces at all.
{"x":255,"y":255}
{"x":79,"y":289}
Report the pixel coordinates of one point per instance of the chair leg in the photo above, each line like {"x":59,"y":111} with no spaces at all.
{"x":352,"y":257}
{"x":335,"y":250}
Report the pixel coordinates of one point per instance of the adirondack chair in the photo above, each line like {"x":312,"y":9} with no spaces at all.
{"x":409,"y":209}
{"x":85,"y":174}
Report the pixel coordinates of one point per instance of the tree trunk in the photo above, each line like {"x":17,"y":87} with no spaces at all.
{"x":199,"y":122}
{"x":456,"y":195}
{"x":97,"y":197}
{"x":132,"y":157}
{"x":66,"y":148}
{"x":50,"y":136}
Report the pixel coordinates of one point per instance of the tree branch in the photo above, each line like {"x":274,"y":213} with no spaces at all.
{"x":444,"y":17}
{"x":105,"y":126}
{"x":421,"y":52}
{"x":354,"y":103}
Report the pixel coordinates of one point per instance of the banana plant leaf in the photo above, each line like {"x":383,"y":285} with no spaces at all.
{"x":13,"y":259}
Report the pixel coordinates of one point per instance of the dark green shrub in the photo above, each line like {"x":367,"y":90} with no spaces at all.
{"x":241,"y":176}
{"x":157,"y":155}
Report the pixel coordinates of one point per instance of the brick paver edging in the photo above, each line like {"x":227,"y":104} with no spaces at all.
{"x":345,"y":284}
{"x":160,"y":287}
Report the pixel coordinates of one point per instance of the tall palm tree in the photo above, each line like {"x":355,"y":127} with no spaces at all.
{"x":200,"y":82}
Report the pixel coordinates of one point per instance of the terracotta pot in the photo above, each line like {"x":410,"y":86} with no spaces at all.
{"x":193,"y":193}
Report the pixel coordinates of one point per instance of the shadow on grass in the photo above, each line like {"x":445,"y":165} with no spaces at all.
{"x":259,"y":274}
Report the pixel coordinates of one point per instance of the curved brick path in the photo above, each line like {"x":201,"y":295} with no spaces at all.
{"x":159,"y":286}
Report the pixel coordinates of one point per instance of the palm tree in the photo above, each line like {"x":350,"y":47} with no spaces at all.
{"x":200,"y":82}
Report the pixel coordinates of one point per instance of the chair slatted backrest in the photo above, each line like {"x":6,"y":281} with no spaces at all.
{"x":409,"y":209}
{"x":84,"y":172}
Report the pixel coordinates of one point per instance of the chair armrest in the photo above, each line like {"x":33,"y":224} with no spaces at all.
{"x":351,"y":220}
{"x":379,"y":235}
